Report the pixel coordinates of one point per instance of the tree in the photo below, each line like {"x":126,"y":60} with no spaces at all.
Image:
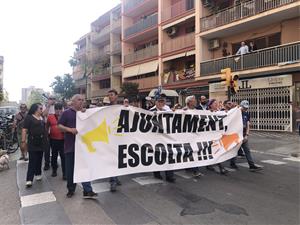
{"x":35,"y":97}
{"x":64,"y":86}
{"x":131,"y":90}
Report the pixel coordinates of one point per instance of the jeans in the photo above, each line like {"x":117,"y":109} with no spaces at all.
{"x":34,"y":164}
{"x":246,"y":149}
{"x":71,"y":186}
{"x":57,"y":147}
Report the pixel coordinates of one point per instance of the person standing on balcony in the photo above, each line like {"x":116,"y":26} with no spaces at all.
{"x":244,"y":49}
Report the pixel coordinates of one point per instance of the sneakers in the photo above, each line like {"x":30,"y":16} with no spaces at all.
{"x":233,"y":166}
{"x":54,"y":174}
{"x":113,"y":187}
{"x":38,"y":177}
{"x":46,"y":167}
{"x":90,"y":194}
{"x":28,"y":184}
{"x":197,"y":174}
{"x":70,"y":194}
{"x":255,"y":168}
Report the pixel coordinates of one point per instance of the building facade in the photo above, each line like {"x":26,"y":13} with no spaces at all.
{"x":98,"y":57}
{"x":1,"y":73}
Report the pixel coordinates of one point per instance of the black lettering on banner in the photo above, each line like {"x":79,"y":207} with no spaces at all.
{"x":155,"y":124}
{"x":179,"y":152}
{"x":210,"y":156}
{"x":160,"y":123}
{"x":146,"y":159}
{"x":123,"y":124}
{"x":168,"y":116}
{"x":190,"y":123}
{"x":145,"y":124}
{"x":134,"y":161}
{"x":188,"y":152}
{"x":177,"y":124}
{"x":221,"y":124}
{"x":122,"y":156}
{"x":202,"y":123}
{"x":211,"y":124}
{"x":160,"y":154}
{"x":135,"y":121}
{"x":171,"y":154}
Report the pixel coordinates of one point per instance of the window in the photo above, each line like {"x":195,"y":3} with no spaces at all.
{"x":190,"y":29}
{"x":104,"y":83}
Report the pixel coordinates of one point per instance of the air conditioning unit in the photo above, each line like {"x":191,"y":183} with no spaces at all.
{"x":214,"y":44}
{"x":172,"y":31}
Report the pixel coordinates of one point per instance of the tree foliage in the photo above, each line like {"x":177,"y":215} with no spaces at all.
{"x":130,"y":89}
{"x":35,"y":97}
{"x":64,"y":86}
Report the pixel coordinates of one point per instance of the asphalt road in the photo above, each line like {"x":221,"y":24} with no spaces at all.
{"x":242,"y":197}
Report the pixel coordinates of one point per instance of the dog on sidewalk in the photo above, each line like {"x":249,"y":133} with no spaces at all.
{"x":4,"y":160}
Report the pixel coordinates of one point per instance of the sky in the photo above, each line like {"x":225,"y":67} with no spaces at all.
{"x":37,"y":38}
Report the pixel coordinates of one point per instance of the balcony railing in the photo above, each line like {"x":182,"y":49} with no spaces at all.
{"x":100,"y":92}
{"x":147,"y":82}
{"x":132,"y":4}
{"x":116,"y":47}
{"x":99,"y":36}
{"x":178,"y":43}
{"x":100,"y":72}
{"x":142,"y":54}
{"x":116,"y":24}
{"x":142,"y":25}
{"x":177,"y":9}
{"x":239,"y":12}
{"x":116,"y":68}
{"x":278,"y":55}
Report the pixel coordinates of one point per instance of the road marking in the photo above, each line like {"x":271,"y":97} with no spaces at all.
{"x":230,"y":169}
{"x":147,"y":180}
{"x":294,"y":159}
{"x":37,"y":199}
{"x":101,"y":187}
{"x":246,"y":165}
{"x":274,"y":162}
{"x":183,"y":174}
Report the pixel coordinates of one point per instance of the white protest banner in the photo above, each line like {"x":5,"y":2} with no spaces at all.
{"x":118,"y":140}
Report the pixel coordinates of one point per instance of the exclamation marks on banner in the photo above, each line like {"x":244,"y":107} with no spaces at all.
{"x":204,"y":150}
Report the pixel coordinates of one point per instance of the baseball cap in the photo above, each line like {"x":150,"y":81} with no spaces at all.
{"x":244,"y":104}
{"x":161,"y":97}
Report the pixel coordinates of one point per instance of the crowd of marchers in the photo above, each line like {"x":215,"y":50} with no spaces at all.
{"x":46,"y":131}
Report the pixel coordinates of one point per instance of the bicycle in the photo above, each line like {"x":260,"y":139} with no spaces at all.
{"x":8,"y":137}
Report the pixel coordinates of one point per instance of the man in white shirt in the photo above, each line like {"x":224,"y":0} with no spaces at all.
{"x":244,"y":49}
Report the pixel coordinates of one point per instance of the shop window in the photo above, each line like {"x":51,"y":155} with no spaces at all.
{"x":104,"y":84}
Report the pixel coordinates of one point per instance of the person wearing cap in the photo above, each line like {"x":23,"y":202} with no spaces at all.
{"x":160,"y":104}
{"x":48,"y":110}
{"x":245,"y":145}
{"x":213,"y":106}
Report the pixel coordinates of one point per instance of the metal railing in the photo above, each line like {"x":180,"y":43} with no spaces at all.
{"x":116,"y":24}
{"x":177,"y":9}
{"x":240,"y":11}
{"x":142,"y":25}
{"x":141,"y":54}
{"x":278,"y":55}
{"x":132,"y":4}
{"x":99,"y":72}
{"x":98,"y":36}
{"x":178,"y":43}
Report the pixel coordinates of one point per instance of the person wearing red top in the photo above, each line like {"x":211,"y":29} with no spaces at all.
{"x":56,"y":140}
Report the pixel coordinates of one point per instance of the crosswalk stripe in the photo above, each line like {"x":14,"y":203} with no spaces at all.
{"x":294,"y":159}
{"x":274,"y":162}
{"x":37,"y":199}
{"x":101,"y":187}
{"x":147,"y":180}
{"x":183,"y":174}
{"x":246,"y":165}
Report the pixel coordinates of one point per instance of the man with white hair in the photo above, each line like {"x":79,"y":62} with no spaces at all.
{"x":190,"y":103}
{"x":67,"y":124}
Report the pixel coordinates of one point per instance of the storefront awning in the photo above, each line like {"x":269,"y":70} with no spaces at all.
{"x":148,"y":67}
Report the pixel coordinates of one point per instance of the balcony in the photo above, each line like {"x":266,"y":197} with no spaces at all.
{"x":116,"y":69}
{"x":100,"y":93}
{"x":146,"y":83}
{"x":240,"y":11}
{"x":142,"y":25}
{"x":102,"y":36}
{"x":116,"y":47}
{"x":101,"y":73}
{"x":181,"y":42}
{"x":116,"y":26}
{"x":141,"y":54}
{"x":274,"y":56}
{"x":132,"y":4}
{"x":179,"y":76}
{"x":178,"y":9}
{"x":80,"y":83}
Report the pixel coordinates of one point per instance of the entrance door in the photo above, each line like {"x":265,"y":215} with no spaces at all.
{"x":270,"y":108}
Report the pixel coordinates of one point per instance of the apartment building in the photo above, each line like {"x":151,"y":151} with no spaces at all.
{"x":1,"y":72}
{"x":270,"y":75}
{"x":99,"y":57}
